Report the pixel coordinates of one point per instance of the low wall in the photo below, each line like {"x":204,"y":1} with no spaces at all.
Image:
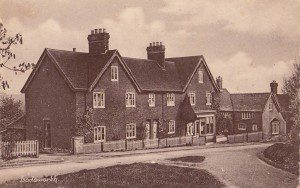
{"x":245,"y":137}
{"x":79,"y":147}
{"x":134,"y":145}
{"x":118,"y":145}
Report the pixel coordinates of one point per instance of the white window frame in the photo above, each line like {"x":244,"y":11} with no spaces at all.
{"x":254,"y":129}
{"x":114,"y":73}
{"x":247,"y":115}
{"x":151,"y":100}
{"x":130,"y":99}
{"x":170,"y":99}
{"x":99,"y":134}
{"x":242,"y":128}
{"x":277,"y":124}
{"x":192,"y":97}
{"x":172,"y":126}
{"x":190,"y":129}
{"x":208,"y":99}
{"x":130,"y":130}
{"x":270,"y":106}
{"x":99,"y":99}
{"x":200,"y":76}
{"x":210,"y":123}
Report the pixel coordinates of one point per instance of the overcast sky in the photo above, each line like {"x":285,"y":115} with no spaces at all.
{"x":249,"y":43}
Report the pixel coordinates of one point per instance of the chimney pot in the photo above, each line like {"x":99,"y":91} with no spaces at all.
{"x":156,"y":52}
{"x":273,"y":86}
{"x":157,"y":43}
{"x":160,"y":43}
{"x":74,"y":49}
{"x":99,"y":43}
{"x":150,"y":44}
{"x":104,"y":30}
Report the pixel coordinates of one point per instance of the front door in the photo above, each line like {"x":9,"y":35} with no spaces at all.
{"x":197,"y":127}
{"x":47,"y":137}
{"x":202,"y":126}
{"x":154,"y":130}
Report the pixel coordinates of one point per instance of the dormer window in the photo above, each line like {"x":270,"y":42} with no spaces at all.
{"x":200,"y":76}
{"x":170,"y":99}
{"x":192,"y":97}
{"x":114,"y":73}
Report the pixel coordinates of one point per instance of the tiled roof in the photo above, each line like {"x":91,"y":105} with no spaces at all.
{"x":284,"y":101}
{"x":151,"y":76}
{"x":249,"y":101}
{"x":225,"y":101}
{"x":82,"y":70}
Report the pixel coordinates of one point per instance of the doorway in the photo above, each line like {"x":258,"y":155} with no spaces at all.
{"x":47,"y":133}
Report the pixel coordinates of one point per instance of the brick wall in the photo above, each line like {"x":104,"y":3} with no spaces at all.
{"x":257,"y":119}
{"x":48,"y":96}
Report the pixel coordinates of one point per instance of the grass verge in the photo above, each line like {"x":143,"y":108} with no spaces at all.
{"x":282,"y":155}
{"x":189,"y":159}
{"x":131,"y":175}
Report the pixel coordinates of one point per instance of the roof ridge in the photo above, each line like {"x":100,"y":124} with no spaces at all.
{"x":185,"y":56}
{"x":51,"y":49}
{"x":249,"y":93}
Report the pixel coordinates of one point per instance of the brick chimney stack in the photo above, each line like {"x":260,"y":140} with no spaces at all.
{"x":156,"y":52}
{"x":98,"y":41}
{"x":274,"y":86}
{"x":219,"y":81}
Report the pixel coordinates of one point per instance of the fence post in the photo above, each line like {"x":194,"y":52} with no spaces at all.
{"x":37,"y":148}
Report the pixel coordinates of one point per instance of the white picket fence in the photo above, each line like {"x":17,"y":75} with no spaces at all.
{"x":20,"y":148}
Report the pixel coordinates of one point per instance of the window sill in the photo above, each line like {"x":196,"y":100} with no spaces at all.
{"x":114,"y":80}
{"x":130,"y":106}
{"x":275,"y":133}
{"x":130,"y":138}
{"x":171,"y":132}
{"x":101,"y":107}
{"x":171,"y":105}
{"x":99,"y":141}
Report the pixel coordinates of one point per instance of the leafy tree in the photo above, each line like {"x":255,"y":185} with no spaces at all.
{"x":223,"y":124}
{"x":7,"y":54}
{"x":10,"y":110}
{"x":291,"y":87}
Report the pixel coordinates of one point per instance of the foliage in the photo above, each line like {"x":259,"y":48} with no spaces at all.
{"x":6,"y":54}
{"x":10,"y":110}
{"x":223,"y":124}
{"x":85,"y":125}
{"x":291,"y":87}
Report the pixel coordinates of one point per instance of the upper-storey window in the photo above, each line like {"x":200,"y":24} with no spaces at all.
{"x":270,"y":106}
{"x":170,"y":99}
{"x":247,"y":115}
{"x":208,"y":98}
{"x":114,"y":73}
{"x":192,"y":97}
{"x":151,"y":100}
{"x":130,"y":99}
{"x":200,"y":76}
{"x":99,"y":99}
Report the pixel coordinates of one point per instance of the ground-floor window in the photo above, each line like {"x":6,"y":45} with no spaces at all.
{"x":275,"y":127}
{"x":190,"y":129}
{"x":99,"y":134}
{"x":242,"y":126}
{"x":171,"y":127}
{"x":210,"y":125}
{"x":254,"y":127}
{"x":130,"y":131}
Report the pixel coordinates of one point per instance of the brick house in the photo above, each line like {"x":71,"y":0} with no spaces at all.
{"x":125,"y":94}
{"x":253,"y":112}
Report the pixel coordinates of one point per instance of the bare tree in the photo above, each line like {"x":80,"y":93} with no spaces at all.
{"x":6,"y":53}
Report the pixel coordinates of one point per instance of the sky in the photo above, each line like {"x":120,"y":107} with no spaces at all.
{"x":248,"y":43}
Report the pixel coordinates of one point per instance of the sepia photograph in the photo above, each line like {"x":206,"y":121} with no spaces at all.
{"x":150,"y":93}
